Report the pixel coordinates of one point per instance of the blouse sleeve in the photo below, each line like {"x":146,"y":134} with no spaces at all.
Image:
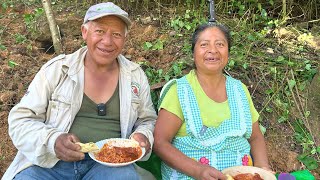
{"x":171,"y":102}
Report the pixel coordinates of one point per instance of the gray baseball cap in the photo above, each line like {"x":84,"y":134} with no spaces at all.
{"x":106,"y":9}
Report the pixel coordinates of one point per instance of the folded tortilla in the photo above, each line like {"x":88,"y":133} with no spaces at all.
{"x":229,"y":177}
{"x":88,"y":147}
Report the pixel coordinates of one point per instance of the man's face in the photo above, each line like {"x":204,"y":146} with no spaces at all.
{"x":105,"y":38}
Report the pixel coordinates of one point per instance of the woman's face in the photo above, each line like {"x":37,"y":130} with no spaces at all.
{"x":211,"y":51}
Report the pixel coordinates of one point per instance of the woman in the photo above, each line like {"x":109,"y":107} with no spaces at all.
{"x":207,"y":121}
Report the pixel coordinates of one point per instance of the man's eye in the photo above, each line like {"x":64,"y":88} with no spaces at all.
{"x":117,"y":35}
{"x":99,"y":31}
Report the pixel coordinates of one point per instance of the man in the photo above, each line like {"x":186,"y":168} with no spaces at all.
{"x":93,"y":94}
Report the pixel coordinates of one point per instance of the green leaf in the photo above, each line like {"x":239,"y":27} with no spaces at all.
{"x":245,"y":66}
{"x":242,"y":7}
{"x":12,"y":64}
{"x":158,"y":45}
{"x":273,"y":70}
{"x":262,"y":129}
{"x":307,"y":114}
{"x":269,"y":110}
{"x":308,"y":161}
{"x":181,"y":24}
{"x":264,"y":13}
{"x":308,"y":67}
{"x":292,"y":83}
{"x":160,"y":71}
{"x":188,"y":27}
{"x":259,"y":6}
{"x":2,"y":47}
{"x":231,"y":63}
{"x":176,"y":69}
{"x":4,"y":5}
{"x":147,"y":46}
{"x":282,"y":119}
{"x":297,"y":125}
{"x":291,"y":64}
{"x":149,"y":74}
{"x":167,"y":77}
{"x":269,"y":91}
{"x":271,"y":2}
{"x":280,"y":59}
{"x":251,"y":37}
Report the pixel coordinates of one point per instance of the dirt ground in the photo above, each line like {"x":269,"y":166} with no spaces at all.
{"x":30,"y":55}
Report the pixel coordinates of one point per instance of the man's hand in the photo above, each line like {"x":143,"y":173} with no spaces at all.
{"x":143,"y":141}
{"x":66,"y":149}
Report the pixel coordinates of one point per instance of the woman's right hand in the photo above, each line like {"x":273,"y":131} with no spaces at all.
{"x":209,"y":173}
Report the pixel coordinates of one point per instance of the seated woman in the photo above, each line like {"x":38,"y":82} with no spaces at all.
{"x":207,"y":121}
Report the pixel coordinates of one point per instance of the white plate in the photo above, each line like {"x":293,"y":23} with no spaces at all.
{"x":120,"y":143}
{"x":264,"y":174}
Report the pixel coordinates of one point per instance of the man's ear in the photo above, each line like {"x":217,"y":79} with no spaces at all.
{"x":84,"y":31}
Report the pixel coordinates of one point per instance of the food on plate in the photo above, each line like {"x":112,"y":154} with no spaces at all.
{"x":116,"y":154}
{"x":247,"y":176}
{"x":229,"y":177}
{"x":88,"y":147}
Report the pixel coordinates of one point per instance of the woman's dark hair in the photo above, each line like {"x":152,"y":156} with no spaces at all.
{"x":203,"y":27}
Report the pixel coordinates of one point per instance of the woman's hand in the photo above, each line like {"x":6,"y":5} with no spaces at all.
{"x":268,"y":169}
{"x":209,"y":173}
{"x":66,"y":149}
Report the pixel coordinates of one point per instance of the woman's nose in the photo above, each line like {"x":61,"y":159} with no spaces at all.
{"x":212,"y":49}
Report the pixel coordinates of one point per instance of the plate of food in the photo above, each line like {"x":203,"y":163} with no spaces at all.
{"x":248,"y":173}
{"x":116,"y":152}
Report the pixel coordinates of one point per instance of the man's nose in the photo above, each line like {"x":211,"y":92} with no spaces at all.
{"x":107,"y":39}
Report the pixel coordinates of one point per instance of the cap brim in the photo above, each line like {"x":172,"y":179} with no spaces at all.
{"x":124,"y":18}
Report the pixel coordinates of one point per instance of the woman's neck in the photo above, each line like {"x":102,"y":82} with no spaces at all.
{"x":210,"y":80}
{"x":214,"y":86}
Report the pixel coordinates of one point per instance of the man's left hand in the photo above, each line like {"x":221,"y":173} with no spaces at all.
{"x":143,"y":141}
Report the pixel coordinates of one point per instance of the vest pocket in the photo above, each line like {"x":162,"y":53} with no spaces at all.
{"x":135,"y":103}
{"x":58,"y":114}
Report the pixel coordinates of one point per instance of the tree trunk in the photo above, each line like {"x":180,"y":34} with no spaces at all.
{"x":314,"y":106}
{"x":284,"y":9}
{"x":56,"y":38}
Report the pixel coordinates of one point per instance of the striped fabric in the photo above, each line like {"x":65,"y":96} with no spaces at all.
{"x":220,"y":147}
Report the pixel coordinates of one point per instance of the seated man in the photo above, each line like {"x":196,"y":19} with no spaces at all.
{"x":92,"y":94}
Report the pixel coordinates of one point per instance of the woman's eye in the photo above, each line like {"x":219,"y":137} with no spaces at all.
{"x":203,"y":44}
{"x":220,"y":44}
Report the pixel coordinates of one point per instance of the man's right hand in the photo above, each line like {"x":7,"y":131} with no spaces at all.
{"x":66,"y":149}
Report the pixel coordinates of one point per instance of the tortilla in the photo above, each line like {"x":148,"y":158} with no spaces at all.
{"x":229,"y":177}
{"x":88,"y":147}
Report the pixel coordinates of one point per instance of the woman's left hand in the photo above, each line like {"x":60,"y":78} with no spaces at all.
{"x":268,"y":169}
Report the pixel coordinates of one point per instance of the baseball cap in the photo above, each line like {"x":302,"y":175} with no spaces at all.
{"x":106,"y":9}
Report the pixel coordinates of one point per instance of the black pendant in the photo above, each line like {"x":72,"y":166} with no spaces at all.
{"x":101,"y":109}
